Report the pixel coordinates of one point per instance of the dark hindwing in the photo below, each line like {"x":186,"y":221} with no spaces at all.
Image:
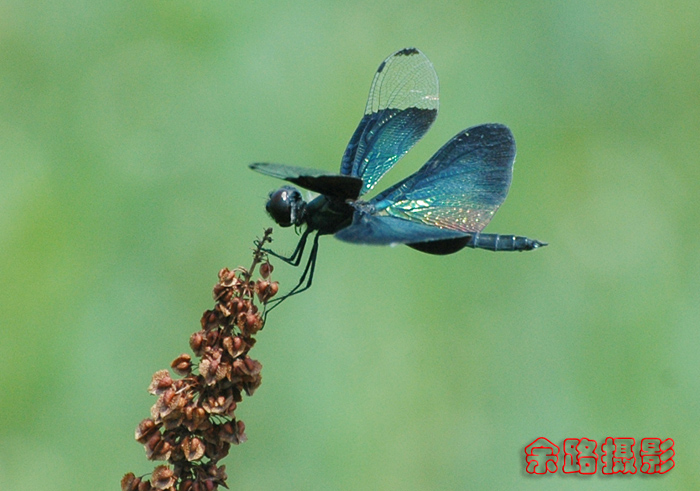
{"x":326,"y":183}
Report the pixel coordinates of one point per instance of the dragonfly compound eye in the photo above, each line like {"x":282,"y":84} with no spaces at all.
{"x":285,"y":205}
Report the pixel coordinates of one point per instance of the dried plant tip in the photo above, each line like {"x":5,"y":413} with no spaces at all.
{"x":227,"y":432}
{"x":193,"y":448}
{"x":219,"y":290}
{"x":160,"y":382}
{"x":163,"y":477}
{"x":253,"y":366}
{"x":226,"y":297}
{"x":235,"y":346}
{"x":266,"y":290}
{"x":218,"y":405}
{"x":187,"y":485}
{"x":168,"y":399}
{"x":182,"y":364}
{"x":192,"y":424}
{"x":228,"y":278}
{"x":235,"y":305}
{"x":146,"y":428}
{"x":251,"y":322}
{"x":197,"y":343}
{"x":261,"y":287}
{"x":210,"y":320}
{"x":199,"y":415}
{"x":130,"y":482}
{"x":247,"y":305}
{"x":211,"y":367}
{"x":240,"y":320}
{"x":266,"y":269}
{"x":153,"y":441}
{"x":240,"y":433}
{"x":160,"y":451}
{"x":221,"y":308}
{"x":217,"y":473}
{"x":212,"y":340}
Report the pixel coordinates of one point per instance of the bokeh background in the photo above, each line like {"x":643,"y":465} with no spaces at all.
{"x":125,"y":133}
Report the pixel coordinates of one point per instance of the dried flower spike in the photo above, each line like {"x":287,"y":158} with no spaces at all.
{"x":192,"y":424}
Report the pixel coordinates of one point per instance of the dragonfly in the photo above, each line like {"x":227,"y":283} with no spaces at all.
{"x":440,"y":209}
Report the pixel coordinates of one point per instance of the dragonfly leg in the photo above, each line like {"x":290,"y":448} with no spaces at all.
{"x":306,"y":277}
{"x":295,"y":258}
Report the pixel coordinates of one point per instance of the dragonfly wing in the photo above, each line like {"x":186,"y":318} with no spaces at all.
{"x":460,"y":187}
{"x":402,"y":104}
{"x":329,"y":184}
{"x":386,"y":230}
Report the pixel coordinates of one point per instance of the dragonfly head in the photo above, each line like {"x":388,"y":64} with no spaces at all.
{"x":286,"y":206}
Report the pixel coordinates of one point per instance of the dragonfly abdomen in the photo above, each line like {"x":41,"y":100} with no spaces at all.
{"x":496,"y":242}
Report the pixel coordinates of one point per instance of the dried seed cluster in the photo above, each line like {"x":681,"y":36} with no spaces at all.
{"x":192,"y":424}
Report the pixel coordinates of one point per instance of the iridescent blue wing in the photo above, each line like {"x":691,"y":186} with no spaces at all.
{"x":385,"y":230}
{"x":402,"y":104}
{"x":454,"y":194}
{"x":333,"y":185}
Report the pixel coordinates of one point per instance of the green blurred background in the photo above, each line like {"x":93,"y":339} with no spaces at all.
{"x":125,"y":133}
